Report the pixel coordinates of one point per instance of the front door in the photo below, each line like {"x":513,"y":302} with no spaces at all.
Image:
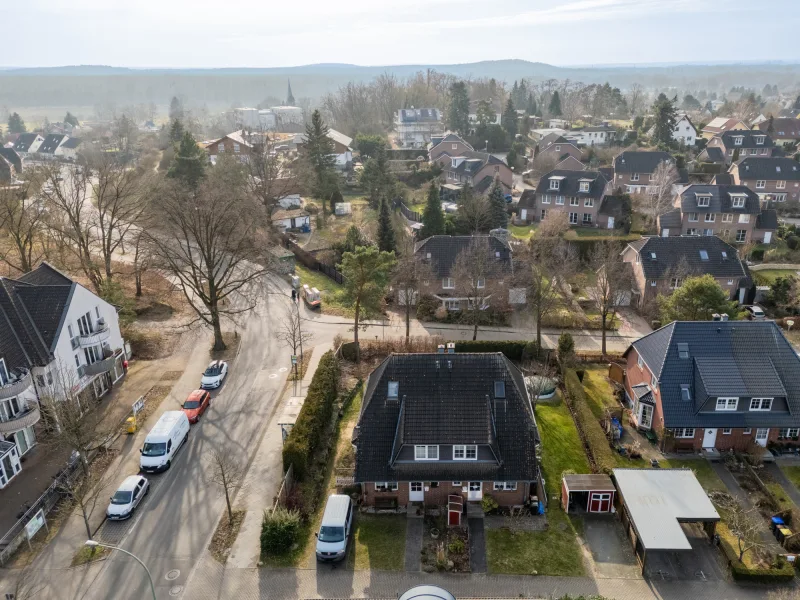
{"x":709,"y":438}
{"x":475,"y":491}
{"x":416,"y":492}
{"x":645,"y":415}
{"x":761,"y":437}
{"x":599,"y":502}
{"x":767,"y":237}
{"x":611,"y":222}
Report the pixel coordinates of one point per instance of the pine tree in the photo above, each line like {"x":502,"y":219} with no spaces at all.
{"x":497,"y":206}
{"x":318,"y":154}
{"x":176,"y":131}
{"x":514,"y":92}
{"x":509,"y":120}
{"x":432,"y":216}
{"x":532,"y":108}
{"x":522,"y":95}
{"x":189,"y":162}
{"x":771,"y":125}
{"x":336,"y":198}
{"x":458,"y":110}
{"x":175,"y":109}
{"x":386,"y":241}
{"x":16,"y":124}
{"x":71,"y":119}
{"x":555,"y":105}
{"x":665,"y":117}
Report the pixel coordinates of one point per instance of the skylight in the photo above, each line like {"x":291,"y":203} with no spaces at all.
{"x":703,"y":255}
{"x":499,"y":389}
{"x":686,"y":393}
{"x":394,"y":389}
{"x":652,"y":255}
{"x":724,"y":255}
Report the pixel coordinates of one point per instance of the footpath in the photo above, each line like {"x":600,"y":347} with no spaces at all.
{"x":265,"y":473}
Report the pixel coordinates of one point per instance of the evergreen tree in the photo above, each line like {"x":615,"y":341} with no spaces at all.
{"x":458,"y":109}
{"x":175,"y":109}
{"x":484,"y":115}
{"x":386,"y":242}
{"x":497,"y":206}
{"x":432,"y":215}
{"x":189,"y":162}
{"x":514,"y":92}
{"x":555,"y":105}
{"x":509,"y":120}
{"x":532,"y":108}
{"x":336,"y":198}
{"x":318,"y":153}
{"x":176,"y":131}
{"x":512,"y":158}
{"x":771,"y":125}
{"x":16,"y":124}
{"x":665,"y":118}
{"x":522,"y":95}
{"x":377,"y":178}
{"x":71,"y":119}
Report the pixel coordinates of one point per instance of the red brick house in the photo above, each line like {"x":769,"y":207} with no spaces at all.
{"x":558,"y":146}
{"x":741,"y":143}
{"x":450,"y":143}
{"x":715,"y":385}
{"x":233,"y":143}
{"x":776,"y":180}
{"x":477,"y":169}
{"x":577,"y":193}
{"x":440,"y":425}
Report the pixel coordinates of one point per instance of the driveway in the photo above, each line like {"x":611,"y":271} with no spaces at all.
{"x":612,"y":555}
{"x":702,"y":563}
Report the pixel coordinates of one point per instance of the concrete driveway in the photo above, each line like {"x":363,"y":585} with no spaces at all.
{"x":611,"y":553}
{"x":702,"y":563}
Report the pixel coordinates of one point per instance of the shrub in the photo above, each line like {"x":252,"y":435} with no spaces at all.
{"x":512,"y":349}
{"x":757,"y":254}
{"x":599,"y":450}
{"x":793,"y":242}
{"x":456,"y":546}
{"x":530,"y":351}
{"x":489,"y":504}
{"x":280,"y":530}
{"x":304,"y":439}
{"x":350,"y":351}
{"x":426,"y":307}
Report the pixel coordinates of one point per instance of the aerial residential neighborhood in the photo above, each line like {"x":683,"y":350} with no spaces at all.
{"x":380,"y":317}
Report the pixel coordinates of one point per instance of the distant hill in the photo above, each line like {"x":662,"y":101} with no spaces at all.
{"x":87,"y":85}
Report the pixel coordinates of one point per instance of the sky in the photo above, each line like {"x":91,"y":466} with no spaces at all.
{"x":280,"y":33}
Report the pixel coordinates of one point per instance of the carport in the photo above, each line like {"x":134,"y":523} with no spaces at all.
{"x":655,"y":504}
{"x":589,"y":493}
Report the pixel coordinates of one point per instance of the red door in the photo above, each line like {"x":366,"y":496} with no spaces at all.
{"x":599,"y":502}
{"x":454,"y":518}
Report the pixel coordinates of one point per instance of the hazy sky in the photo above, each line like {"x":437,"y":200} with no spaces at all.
{"x":273,"y":33}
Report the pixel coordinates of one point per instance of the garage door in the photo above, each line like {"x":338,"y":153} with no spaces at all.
{"x":599,"y":502}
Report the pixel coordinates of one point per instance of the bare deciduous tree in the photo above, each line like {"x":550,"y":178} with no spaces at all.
{"x":636,"y":98}
{"x":22,"y":215}
{"x":477,"y":279}
{"x":228,"y":474}
{"x":271,"y":173}
{"x":554,"y":225}
{"x":142,"y":258}
{"x":543,"y":164}
{"x":292,"y":333}
{"x":743,"y":523}
{"x":84,"y":491}
{"x":25,"y":585}
{"x":474,"y":211}
{"x":408,"y":279}
{"x":613,"y":283}
{"x":659,"y":199}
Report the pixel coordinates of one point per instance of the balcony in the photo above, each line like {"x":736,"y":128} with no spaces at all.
{"x":15,"y":388}
{"x":95,"y":337}
{"x":101,"y":366}
{"x":26,"y":418}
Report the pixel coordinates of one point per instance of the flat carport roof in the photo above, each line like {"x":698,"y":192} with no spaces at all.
{"x":659,"y":500}
{"x":589,"y":483}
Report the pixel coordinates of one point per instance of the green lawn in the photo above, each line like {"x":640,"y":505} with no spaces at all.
{"x":522,"y":232}
{"x":562,"y":448}
{"x":702,"y":470}
{"x":598,"y":389}
{"x":767,"y":276}
{"x":332,"y":302}
{"x":379,"y":542}
{"x":552,"y":552}
{"x":793,"y":473}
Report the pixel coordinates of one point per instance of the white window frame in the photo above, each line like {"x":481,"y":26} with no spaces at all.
{"x":691,"y":231}
{"x":788,"y":432}
{"x":653,"y":283}
{"x":463,"y":451}
{"x":640,"y":361}
{"x":588,"y":202}
{"x":744,"y":218}
{"x":456,"y":483}
{"x":584,"y":186}
{"x":693,"y":217}
{"x":560,"y":200}
{"x":675,"y":283}
{"x":505,"y":486}
{"x":571,"y":220}
{"x":703,"y":201}
{"x":481,"y":283}
{"x":725,"y":403}
{"x":634,"y":177}
{"x":684,"y":433}
{"x":737,"y":202}
{"x":761,"y":184}
{"x":448,"y":283}
{"x":761,"y":404}
{"x":653,"y":382}
{"x":385,"y":486}
{"x":554,"y":184}
{"x":727,"y":431}
{"x":727,"y":217}
{"x":426,"y":453}
{"x":747,"y":431}
{"x":780,"y":185}
{"x":236,"y":147}
{"x":710,"y":217}
{"x":452,"y":304}
{"x":574,"y":201}
{"x":587,"y":219}
{"x":545,"y":199}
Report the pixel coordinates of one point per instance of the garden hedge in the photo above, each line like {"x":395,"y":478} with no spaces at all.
{"x":304,"y":438}
{"x":599,"y":450}
{"x":512,"y":349}
{"x":740,"y":572}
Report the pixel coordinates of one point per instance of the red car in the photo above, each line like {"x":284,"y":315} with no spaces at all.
{"x":196,"y":404}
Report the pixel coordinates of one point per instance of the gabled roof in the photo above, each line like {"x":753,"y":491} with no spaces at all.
{"x":720,"y":199}
{"x":783,"y":128}
{"x":767,"y":219}
{"x":445,"y":399}
{"x":419,"y":115}
{"x":768,"y":168}
{"x":611,"y":206}
{"x":527,"y":199}
{"x":25,"y":141}
{"x":670,"y":220}
{"x":472,"y":163}
{"x":748,"y":139}
{"x":570,"y":183}
{"x":441,"y":251}
{"x":72,"y":143}
{"x":570,"y":163}
{"x":51,"y":143}
{"x":699,"y":254}
{"x":632,"y":161}
{"x":12,"y":157}
{"x":452,"y":138}
{"x":713,"y":154}
{"x":720,"y":124}
{"x":723,"y":358}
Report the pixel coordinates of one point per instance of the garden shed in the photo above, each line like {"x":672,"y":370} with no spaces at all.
{"x":589,"y":493}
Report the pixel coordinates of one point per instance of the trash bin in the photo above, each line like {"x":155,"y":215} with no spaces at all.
{"x":131,"y":421}
{"x":775,"y":523}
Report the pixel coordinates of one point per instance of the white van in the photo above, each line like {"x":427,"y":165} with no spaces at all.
{"x":333,"y":534}
{"x":163,"y":441}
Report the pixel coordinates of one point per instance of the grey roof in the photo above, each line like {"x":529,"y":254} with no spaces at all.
{"x":640,"y":161}
{"x":474,"y":162}
{"x":722,"y":179}
{"x":72,"y":143}
{"x":419,"y":115}
{"x":720,"y":199}
{"x":748,"y":140}
{"x":5,"y":169}
{"x":51,"y":143}
{"x":571,"y":163}
{"x":741,"y":359}
{"x":767,"y":219}
{"x":685,"y":252}
{"x":12,"y":157}
{"x":769,"y":168}
{"x":25,"y":141}
{"x":445,"y":399}
{"x":611,"y":206}
{"x":444,"y":250}
{"x":782,"y":128}
{"x":6,"y":447}
{"x":670,"y":220}
{"x":643,"y":393}
{"x":570,"y":183}
{"x":527,"y":199}
{"x":714,"y":154}
{"x":588,"y":483}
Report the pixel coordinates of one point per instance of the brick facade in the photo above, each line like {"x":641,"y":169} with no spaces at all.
{"x":437,"y":496}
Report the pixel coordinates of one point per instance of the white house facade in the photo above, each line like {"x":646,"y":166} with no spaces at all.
{"x":684,"y":132}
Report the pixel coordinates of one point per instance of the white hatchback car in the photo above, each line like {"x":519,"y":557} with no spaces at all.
{"x":214,"y":374}
{"x":127,"y":497}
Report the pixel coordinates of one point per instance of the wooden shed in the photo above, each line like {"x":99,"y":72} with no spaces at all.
{"x":588,"y":493}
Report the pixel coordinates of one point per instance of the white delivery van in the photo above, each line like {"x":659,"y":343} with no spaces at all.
{"x":163,"y":441}
{"x":333,"y":534}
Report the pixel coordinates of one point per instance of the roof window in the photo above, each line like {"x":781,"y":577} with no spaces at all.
{"x":683,"y":350}
{"x":652,"y":256}
{"x":724,"y":255}
{"x":394,"y":389}
{"x":499,"y":389}
{"x":686,"y":392}
{"x":703,"y":255}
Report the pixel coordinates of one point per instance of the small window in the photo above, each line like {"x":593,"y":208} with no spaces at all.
{"x":394,"y":388}
{"x":385,"y":486}
{"x":499,"y":389}
{"x":738,"y":202}
{"x":747,"y":431}
{"x":456,"y":484}
{"x":481,"y":284}
{"x":653,"y":283}
{"x":653,"y":382}
{"x":726,"y":431}
{"x":724,"y":255}
{"x":448,"y":283}
{"x":703,"y":201}
{"x":744,"y":218}
{"x":761,"y":184}
{"x":727,"y":403}
{"x":426,"y":452}
{"x":761,"y":404}
{"x":554,"y":184}
{"x":683,"y":350}
{"x":730,"y":281}
{"x":710,"y":217}
{"x":675,"y":283}
{"x":461,"y":452}
{"x":639,"y":361}
{"x":703,"y":255}
{"x":685,"y":432}
{"x":505,"y":486}
{"x":686,"y":393}
{"x":584,"y":186}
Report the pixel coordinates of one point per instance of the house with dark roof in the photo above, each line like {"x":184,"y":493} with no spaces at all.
{"x":69,"y":149}
{"x":414,"y":127}
{"x":557,"y":146}
{"x":13,"y":159}
{"x":570,"y":163}
{"x":732,"y":212}
{"x":433,"y":426}
{"x":715,"y":385}
{"x":28,"y":143}
{"x":577,"y":193}
{"x":7,"y":170}
{"x":775,"y":180}
{"x":476,"y":169}
{"x":635,"y":171}
{"x":58,"y":341}
{"x":737,"y":144}
{"x":712,"y":155}
{"x":50,"y":145}
{"x":784,"y":130}
{"x":661,"y":264}
{"x":593,"y":135}
{"x":451,"y":143}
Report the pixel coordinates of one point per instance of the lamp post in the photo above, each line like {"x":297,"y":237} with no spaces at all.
{"x":94,"y":544}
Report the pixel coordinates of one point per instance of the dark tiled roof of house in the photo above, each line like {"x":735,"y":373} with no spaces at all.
{"x":570,"y":163}
{"x":741,"y":359}
{"x":768,"y":168}
{"x":445,"y":399}
{"x":442,"y":251}
{"x":670,"y":220}
{"x":474,"y":162}
{"x":767,"y":219}
{"x":5,"y":169}
{"x":25,"y":141}
{"x":51,"y":143}
{"x":782,"y":128}
{"x":722,"y":179}
{"x":698,"y":254}
{"x":72,"y":143}
{"x":570,"y":183}
{"x":640,"y":161}
{"x":748,"y":139}
{"x":611,"y":206}
{"x":713,"y":154}
{"x":720,"y":199}
{"x":45,"y":274}
{"x":527,"y":199}
{"x":419,"y":115}
{"x":12,"y":157}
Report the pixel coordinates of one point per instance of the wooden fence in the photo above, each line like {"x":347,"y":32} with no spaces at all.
{"x":284,"y":490}
{"x":310,"y":261}
{"x":409,"y":214}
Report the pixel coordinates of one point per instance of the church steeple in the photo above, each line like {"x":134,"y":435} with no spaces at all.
{"x":289,"y":96}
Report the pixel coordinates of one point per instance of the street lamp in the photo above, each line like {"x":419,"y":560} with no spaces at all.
{"x":94,"y":544}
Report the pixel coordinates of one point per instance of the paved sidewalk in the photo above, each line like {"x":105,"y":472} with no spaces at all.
{"x":414,"y":531}
{"x":477,"y":545}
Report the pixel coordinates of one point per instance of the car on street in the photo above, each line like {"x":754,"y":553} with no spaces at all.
{"x":127,"y":497}
{"x":196,"y":404}
{"x":755,"y":313}
{"x":214,"y":374}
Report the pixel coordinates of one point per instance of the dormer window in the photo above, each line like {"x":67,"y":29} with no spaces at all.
{"x":703,"y":201}
{"x":727,"y":403}
{"x":465,"y":452}
{"x":761,"y":404}
{"x":453,"y":163}
{"x":737,"y":141}
{"x":737,"y":201}
{"x":394,"y":389}
{"x":759,"y":139}
{"x":584,"y":186}
{"x":426,"y":452}
{"x":554,"y":184}
{"x":558,"y":148}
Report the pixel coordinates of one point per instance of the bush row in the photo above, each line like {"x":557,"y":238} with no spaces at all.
{"x":781,"y":572}
{"x":599,"y":450}
{"x":512,"y":349}
{"x":304,"y":438}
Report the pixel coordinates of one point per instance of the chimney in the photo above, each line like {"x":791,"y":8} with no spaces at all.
{"x":723,"y":317}
{"x":440,"y":349}
{"x":451,"y":347}
{"x":715,"y":317}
